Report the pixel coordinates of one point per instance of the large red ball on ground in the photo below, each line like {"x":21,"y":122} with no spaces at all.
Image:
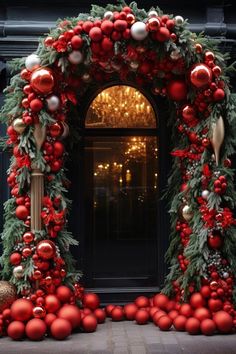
{"x":109,"y":309}
{"x":192,"y":325}
{"x":100,"y":315}
{"x":130,"y":311}
{"x":180,"y":322}
{"x":208,"y":327}
{"x":186,"y":310}
{"x":89,"y":323}
{"x":202,"y":313}
{"x":164,"y":323}
{"x":157,"y":315}
{"x":153,"y":310}
{"x":141,"y":301}
{"x":16,"y":330}
{"x":173,"y":314}
{"x":177,"y":90}
{"x":21,"y":310}
{"x":52,"y":303}
{"x":205,"y":291}
{"x":223,"y":321}
{"x":49,"y":318}
{"x":141,"y":316}
{"x":117,"y":314}
{"x":161,"y":301}
{"x":70,"y":313}
{"x":60,"y":328}
{"x":91,"y":301}
{"x":63,"y":293}
{"x":197,"y":300}
{"x":35,"y":329}
{"x":215,"y":305}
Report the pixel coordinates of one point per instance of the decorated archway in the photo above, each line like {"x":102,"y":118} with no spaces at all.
{"x":152,"y":50}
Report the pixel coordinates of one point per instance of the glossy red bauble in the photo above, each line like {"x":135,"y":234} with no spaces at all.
{"x":218,"y":94}
{"x":141,"y":316}
{"x":58,"y":149}
{"x":63,"y":293}
{"x":22,"y":310}
{"x":70,"y":313}
{"x":197,"y":300}
{"x":200,"y":75}
{"x":161,"y":301}
{"x":22,"y":212}
{"x":141,"y":301}
{"x":192,"y":325}
{"x":202,"y":313}
{"x":163,"y":34}
{"x":100,"y":315}
{"x":91,"y":301}
{"x":35,"y":329}
{"x":60,"y":328}
{"x":55,"y":130}
{"x":179,"y":322}
{"x":177,"y":90}
{"x":89,"y":323}
{"x":130,"y":311}
{"x":208,"y":327}
{"x":46,"y":249}
{"x":164,"y":323}
{"x":117,"y":314}
{"x":52,"y":303}
{"x":188,"y":114}
{"x":42,"y":81}
{"x":223,"y":321}
{"x":16,"y":330}
{"x":36,"y":105}
{"x":28,"y":237}
{"x":215,"y":241}
{"x":15,"y":258}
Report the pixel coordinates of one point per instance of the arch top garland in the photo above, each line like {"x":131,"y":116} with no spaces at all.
{"x":151,"y":50}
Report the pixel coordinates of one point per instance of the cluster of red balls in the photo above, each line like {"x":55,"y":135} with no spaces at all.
{"x":220,"y":185}
{"x":185,"y":231}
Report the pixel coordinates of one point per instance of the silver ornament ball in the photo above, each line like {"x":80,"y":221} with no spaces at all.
{"x":225,"y":275}
{"x":205,"y":194}
{"x":32,"y":62}
{"x":53,"y":103}
{"x":139,"y":31}
{"x":75,"y":57}
{"x":108,"y":15}
{"x":152,"y":13}
{"x":179,"y":20}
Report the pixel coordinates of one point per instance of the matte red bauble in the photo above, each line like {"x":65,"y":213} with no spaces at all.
{"x":157,"y":315}
{"x":141,"y":301}
{"x":117,"y":314}
{"x":108,"y":309}
{"x":36,"y":105}
{"x":164,"y":323}
{"x":185,"y":310}
{"x":49,"y":318}
{"x":76,"y":42}
{"x":223,"y":321}
{"x":63,"y":293}
{"x":60,"y":328}
{"x":215,"y":241}
{"x":208,"y":327}
{"x":163,"y":34}
{"x":46,"y":249}
{"x":161,"y":301}
{"x":55,"y":130}
{"x":202,"y":313}
{"x":107,"y":26}
{"x":35,"y":329}
{"x":100,"y":315}
{"x":192,"y":325}
{"x":91,"y":301}
{"x":173,"y":314}
{"x":16,"y":330}
{"x":130,"y":311}
{"x":177,"y":90}
{"x":141,"y":317}
{"x":95,"y":34}
{"x":42,"y":81}
{"x":200,"y":75}
{"x":153,"y":310}
{"x":21,"y":310}
{"x":188,"y":113}
{"x":89,"y":323}
{"x":218,"y":94}
{"x":15,"y":258}
{"x":52,"y":303}
{"x":70,"y":313}
{"x":179,"y":323}
{"x":215,"y":305}
{"x":22,"y":212}
{"x":58,"y":149}
{"x":205,"y":291}
{"x":197,"y":300}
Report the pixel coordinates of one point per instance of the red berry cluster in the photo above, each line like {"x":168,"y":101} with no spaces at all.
{"x":220,"y":185}
{"x":185,"y":232}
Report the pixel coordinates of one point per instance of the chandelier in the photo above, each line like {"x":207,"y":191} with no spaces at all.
{"x":120,"y":106}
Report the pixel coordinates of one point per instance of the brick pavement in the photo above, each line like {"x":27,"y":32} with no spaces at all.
{"x":126,"y":338}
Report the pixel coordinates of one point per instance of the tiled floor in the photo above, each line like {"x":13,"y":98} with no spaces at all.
{"x":126,"y":338}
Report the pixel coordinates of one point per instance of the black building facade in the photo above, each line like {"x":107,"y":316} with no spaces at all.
{"x":124,"y":257}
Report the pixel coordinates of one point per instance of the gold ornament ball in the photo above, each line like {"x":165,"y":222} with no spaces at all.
{"x":187,"y":213}
{"x":19,"y":126}
{"x":7,"y":294}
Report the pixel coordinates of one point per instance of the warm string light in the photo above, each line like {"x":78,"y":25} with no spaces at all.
{"x":120,"y":107}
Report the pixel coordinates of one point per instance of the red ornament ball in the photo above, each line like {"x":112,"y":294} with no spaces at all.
{"x":58,"y":149}
{"x":185,"y":310}
{"x":141,"y":301}
{"x":192,"y":325}
{"x":205,"y":291}
{"x":157,"y":315}
{"x":163,"y":34}
{"x":46,"y":249}
{"x":22,"y":212}
{"x":141,"y":316}
{"x":36,"y":105}
{"x":107,"y":44}
{"x":49,"y":318}
{"x":70,"y":313}
{"x":35,"y":329}
{"x":153,"y":310}
{"x":202,"y":313}
{"x":52,"y":303}
{"x":16,"y":330}
{"x":109,"y":309}
{"x":197,"y":300}
{"x":200,"y":75}
{"x":208,"y":327}
{"x":55,"y":130}
{"x":215,"y":241}
{"x":173,"y":314}
{"x":42,"y":81}
{"x":63,"y":293}
{"x":60,"y":328}
{"x":28,"y":237}
{"x":76,"y":42}
{"x":107,"y":27}
{"x":188,"y":113}
{"x":165,"y":323}
{"x":91,"y":301}
{"x":218,"y":94}
{"x":160,"y":301}
{"x":130,"y":311}
{"x":223,"y":321}
{"x":100,"y":315}
{"x":179,"y":322}
{"x":215,"y":305}
{"x":117,"y":314}
{"x":177,"y":90}
{"x":21,"y":310}
{"x":15,"y":258}
{"x":89,"y":323}
{"x":95,"y":34}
